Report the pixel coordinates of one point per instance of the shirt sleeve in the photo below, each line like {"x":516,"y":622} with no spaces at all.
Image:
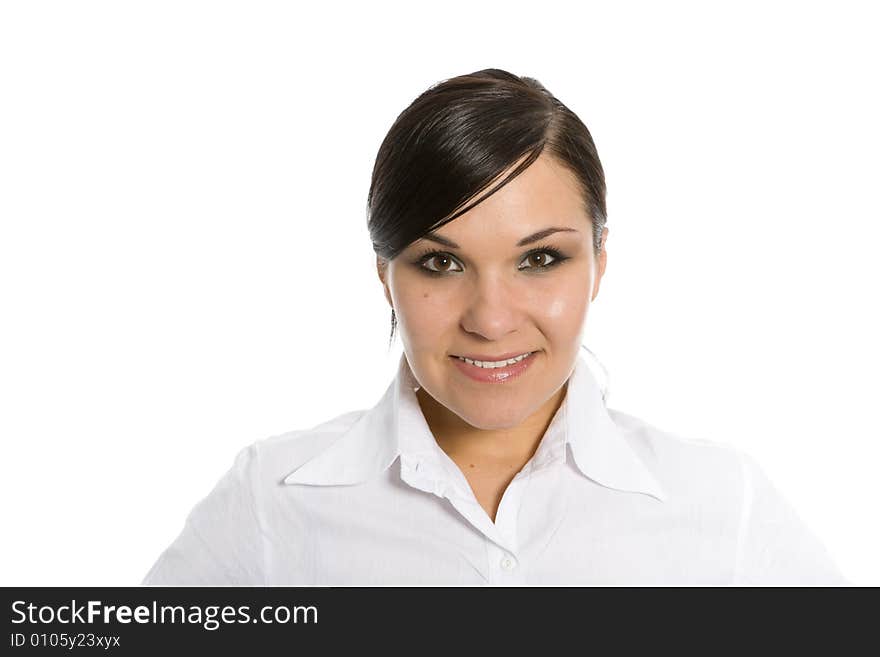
{"x":775,"y":547}
{"x":222,"y":539}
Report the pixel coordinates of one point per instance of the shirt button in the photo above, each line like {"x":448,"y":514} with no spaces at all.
{"x":508,"y":563}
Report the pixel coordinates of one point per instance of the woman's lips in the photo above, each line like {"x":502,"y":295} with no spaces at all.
{"x":492,"y":359}
{"x":495,"y":374}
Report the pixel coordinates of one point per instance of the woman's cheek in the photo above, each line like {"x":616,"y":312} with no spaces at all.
{"x":425,"y":312}
{"x":565,"y":308}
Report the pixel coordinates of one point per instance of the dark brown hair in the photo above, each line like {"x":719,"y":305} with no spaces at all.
{"x":459,"y":136}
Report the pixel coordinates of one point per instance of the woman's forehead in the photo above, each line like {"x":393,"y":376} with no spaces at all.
{"x":545,"y":195}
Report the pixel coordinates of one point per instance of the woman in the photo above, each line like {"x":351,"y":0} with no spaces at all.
{"x":491,"y":458}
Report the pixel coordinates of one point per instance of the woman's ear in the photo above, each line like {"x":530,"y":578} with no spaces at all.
{"x":382,"y":270}
{"x":601,"y":260}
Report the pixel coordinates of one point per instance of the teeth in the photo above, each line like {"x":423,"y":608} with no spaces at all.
{"x":494,"y":364}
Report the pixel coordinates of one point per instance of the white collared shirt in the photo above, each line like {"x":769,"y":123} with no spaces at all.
{"x":369,"y":498}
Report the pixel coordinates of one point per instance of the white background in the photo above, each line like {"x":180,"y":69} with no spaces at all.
{"x":185,"y":266}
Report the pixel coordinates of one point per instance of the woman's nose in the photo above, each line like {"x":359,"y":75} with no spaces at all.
{"x":491,"y":310}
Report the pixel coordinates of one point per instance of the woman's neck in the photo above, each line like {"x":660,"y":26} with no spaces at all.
{"x":464,"y":443}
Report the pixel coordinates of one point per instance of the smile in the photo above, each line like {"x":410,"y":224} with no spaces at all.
{"x":494,"y":364}
{"x":499,"y":371}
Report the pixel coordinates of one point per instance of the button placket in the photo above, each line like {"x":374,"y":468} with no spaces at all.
{"x":508,"y":509}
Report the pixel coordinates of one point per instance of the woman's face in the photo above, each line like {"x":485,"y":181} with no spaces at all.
{"x":492,"y":294}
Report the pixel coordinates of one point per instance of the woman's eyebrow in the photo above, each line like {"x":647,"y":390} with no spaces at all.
{"x":534,"y":237}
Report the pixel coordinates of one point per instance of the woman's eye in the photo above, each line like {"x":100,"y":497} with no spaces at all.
{"x":539,"y":259}
{"x":444,"y":263}
{"x":436,"y":262}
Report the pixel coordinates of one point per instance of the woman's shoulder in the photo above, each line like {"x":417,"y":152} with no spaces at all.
{"x":724,"y":486}
{"x":640,"y":431}
{"x":681,"y":461}
{"x":326,"y":430}
{"x":278,"y":454}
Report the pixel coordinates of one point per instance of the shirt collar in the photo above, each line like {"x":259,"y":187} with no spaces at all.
{"x":395,"y":427}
